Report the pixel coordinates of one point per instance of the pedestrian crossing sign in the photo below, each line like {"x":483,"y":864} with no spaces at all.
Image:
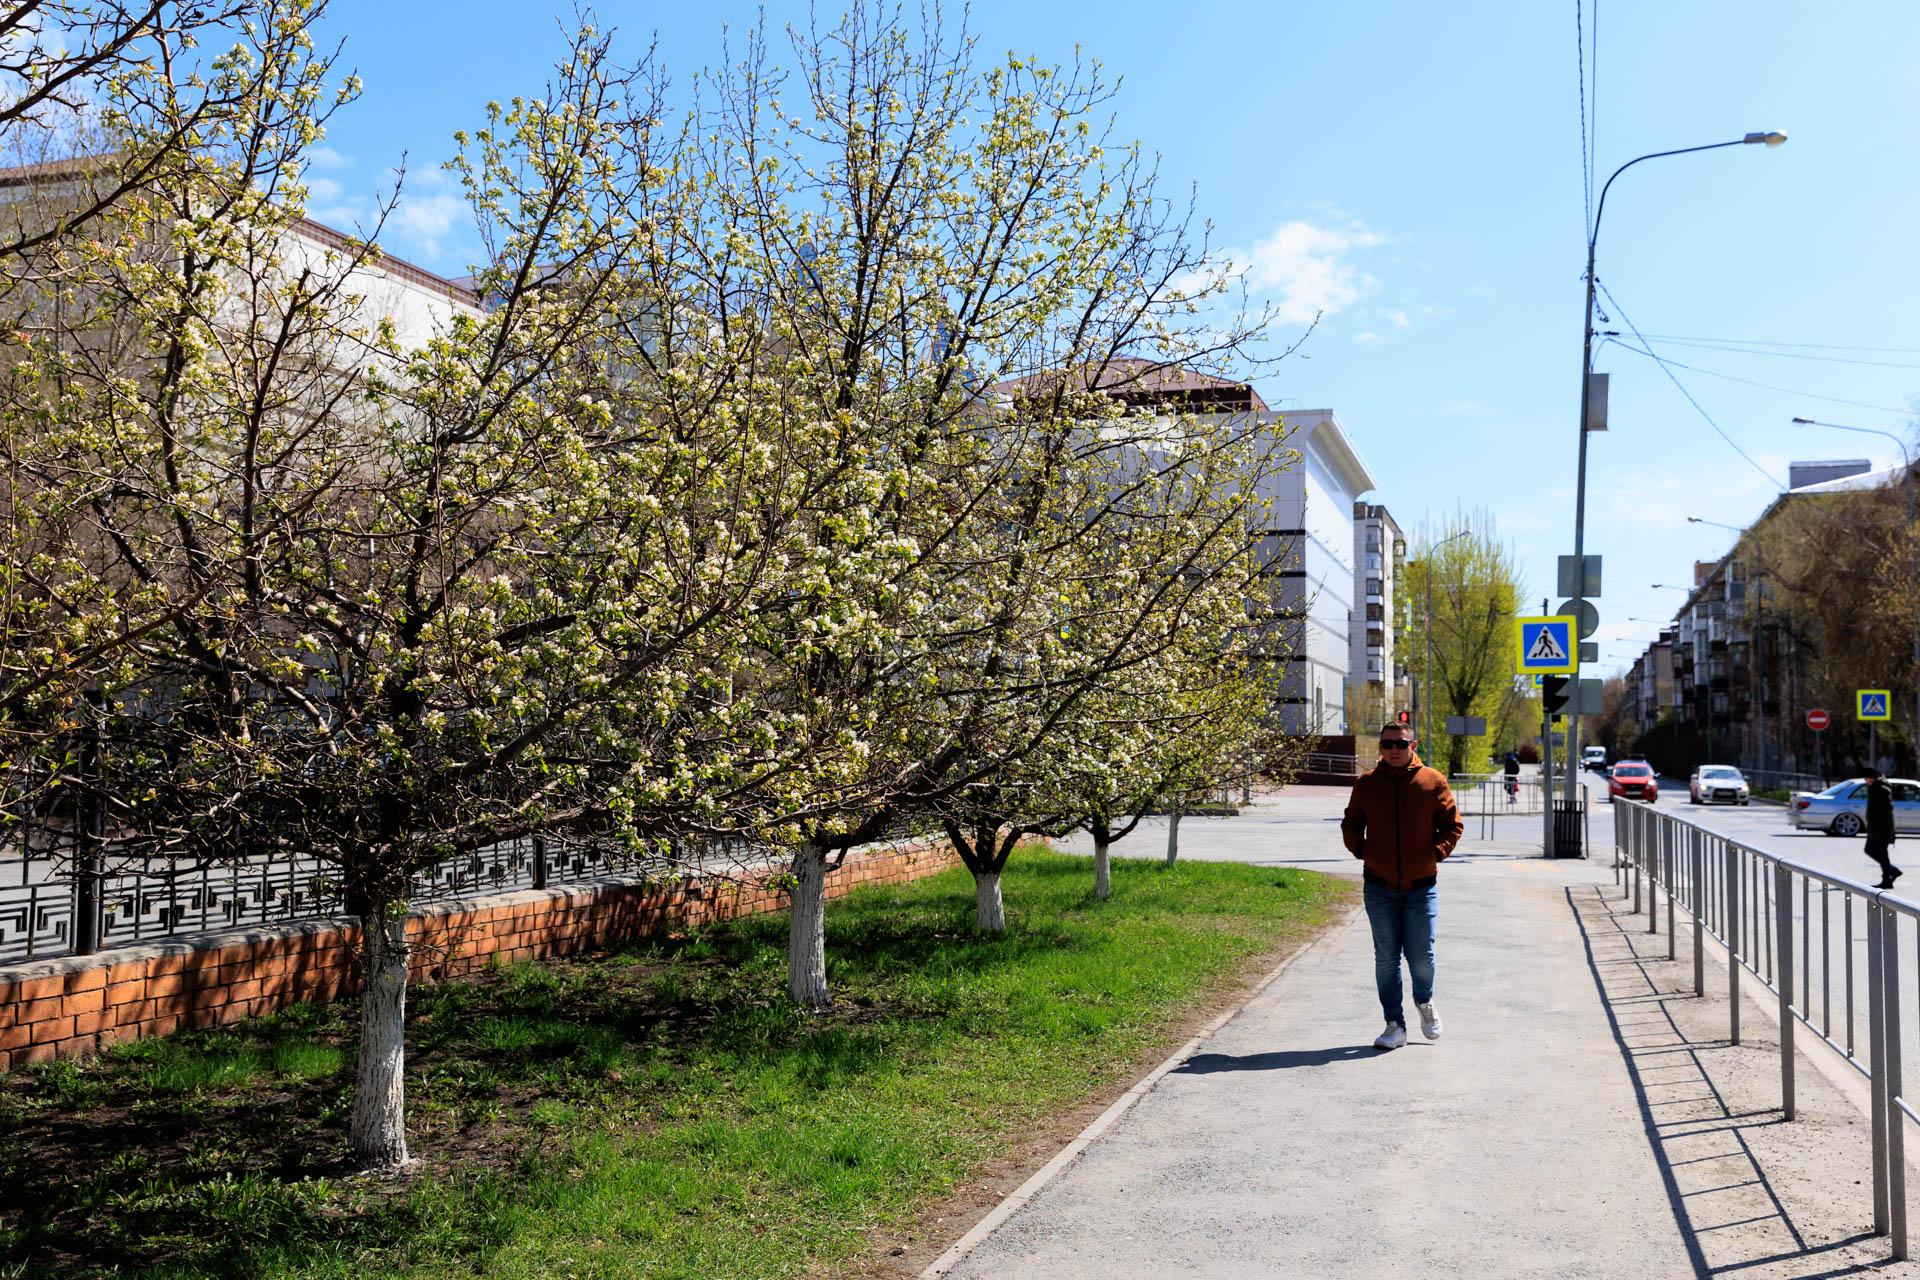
{"x":1546,"y":646}
{"x":1873,"y":704}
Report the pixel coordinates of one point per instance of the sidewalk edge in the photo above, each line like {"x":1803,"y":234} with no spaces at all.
{"x":1019,"y":1196}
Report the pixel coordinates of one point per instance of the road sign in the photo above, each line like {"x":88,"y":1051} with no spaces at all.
{"x":1579,"y":576}
{"x":1546,"y":646}
{"x":1467,"y":726}
{"x":1873,"y":704}
{"x":1592,"y":701}
{"x":1588,"y":616}
{"x":1818,"y":720}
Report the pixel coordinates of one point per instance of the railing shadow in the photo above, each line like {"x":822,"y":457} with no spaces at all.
{"x":1723,"y":1202}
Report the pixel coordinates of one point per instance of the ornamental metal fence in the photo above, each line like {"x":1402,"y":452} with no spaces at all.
{"x":1830,"y":950}
{"x":64,"y":890}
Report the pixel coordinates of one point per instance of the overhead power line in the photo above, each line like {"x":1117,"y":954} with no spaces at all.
{"x":1805,"y":346}
{"x":1803,"y":394}
{"x":1580,"y":64}
{"x":1614,"y":304}
{"x":1705,"y":345}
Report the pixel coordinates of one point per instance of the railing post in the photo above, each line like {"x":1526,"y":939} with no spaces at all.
{"x":1653,"y":874}
{"x":1639,"y":856}
{"x":1733,"y":945}
{"x":539,"y":862}
{"x":1896,"y":1118}
{"x":1699,"y":849}
{"x":1783,"y":928}
{"x":1673,"y":890}
{"x":1877,"y":1064}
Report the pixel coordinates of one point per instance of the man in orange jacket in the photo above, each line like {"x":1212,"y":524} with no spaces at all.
{"x":1402,"y":822}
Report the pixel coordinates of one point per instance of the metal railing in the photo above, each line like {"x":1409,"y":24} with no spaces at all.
{"x":1808,"y":937}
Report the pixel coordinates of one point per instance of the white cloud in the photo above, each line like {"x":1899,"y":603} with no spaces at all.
{"x":1399,"y":319}
{"x":1306,"y":269}
{"x":430,"y":207}
{"x":1459,"y":408}
{"x":326,"y":158}
{"x":1366,"y":336}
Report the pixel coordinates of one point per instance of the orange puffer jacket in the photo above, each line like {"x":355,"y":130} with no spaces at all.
{"x":1402,"y":823}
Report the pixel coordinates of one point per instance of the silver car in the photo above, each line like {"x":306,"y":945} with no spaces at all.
{"x":1841,"y":810}
{"x":1717,"y":784}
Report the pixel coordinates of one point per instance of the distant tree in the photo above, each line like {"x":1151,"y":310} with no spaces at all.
{"x":1476,"y":592}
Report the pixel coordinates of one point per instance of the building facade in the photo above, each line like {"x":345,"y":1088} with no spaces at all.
{"x":1375,"y":667}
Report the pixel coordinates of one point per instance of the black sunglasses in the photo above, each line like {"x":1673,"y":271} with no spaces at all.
{"x":1394,"y":744}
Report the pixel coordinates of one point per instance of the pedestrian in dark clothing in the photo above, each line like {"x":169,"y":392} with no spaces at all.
{"x":1512,"y":769}
{"x":1880,"y":826}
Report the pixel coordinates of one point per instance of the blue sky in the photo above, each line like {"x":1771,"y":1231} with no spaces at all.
{"x":1413,"y":172}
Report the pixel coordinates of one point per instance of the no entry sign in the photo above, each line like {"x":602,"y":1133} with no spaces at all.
{"x":1818,"y":719}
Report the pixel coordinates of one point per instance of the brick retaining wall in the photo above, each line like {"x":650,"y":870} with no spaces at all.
{"x":73,"y":1005}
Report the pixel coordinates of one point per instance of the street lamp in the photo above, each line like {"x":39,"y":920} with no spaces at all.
{"x":1426,"y":690}
{"x":1913,"y":548}
{"x":1715,"y":523}
{"x":1768,"y":138}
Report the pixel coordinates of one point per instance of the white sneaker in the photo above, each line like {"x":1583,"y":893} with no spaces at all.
{"x":1392,"y":1038}
{"x":1429,"y":1021}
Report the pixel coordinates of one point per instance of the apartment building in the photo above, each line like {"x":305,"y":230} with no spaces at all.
{"x":1374,"y":662}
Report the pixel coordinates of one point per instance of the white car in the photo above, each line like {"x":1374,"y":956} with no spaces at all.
{"x":1841,"y":810}
{"x":1594,"y":758}
{"x":1718,"y":784}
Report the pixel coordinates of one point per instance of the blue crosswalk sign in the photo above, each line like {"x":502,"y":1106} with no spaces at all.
{"x":1546,"y":646}
{"x":1873,"y":704}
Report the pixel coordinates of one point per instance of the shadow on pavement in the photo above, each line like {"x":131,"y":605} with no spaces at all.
{"x":1207,"y":1064}
{"x":1695,"y":1092}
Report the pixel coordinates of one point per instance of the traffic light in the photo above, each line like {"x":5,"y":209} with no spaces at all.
{"x":1555,"y":693}
{"x":1406,"y":717}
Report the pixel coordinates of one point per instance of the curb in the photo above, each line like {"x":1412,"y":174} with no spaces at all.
{"x":1027,"y":1190}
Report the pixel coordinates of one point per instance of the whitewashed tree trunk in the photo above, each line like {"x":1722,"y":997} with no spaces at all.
{"x":807,"y":930}
{"x":992,"y":910}
{"x":1173,"y":836}
{"x":1102,"y":876}
{"x":377,"y":1129}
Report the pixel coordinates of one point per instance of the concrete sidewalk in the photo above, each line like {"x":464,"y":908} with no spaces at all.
{"x":1527,"y":1142}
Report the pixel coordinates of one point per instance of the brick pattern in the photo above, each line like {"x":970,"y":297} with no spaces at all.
{"x":79,"y":1004}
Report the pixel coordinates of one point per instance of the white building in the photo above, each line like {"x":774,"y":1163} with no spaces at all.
{"x":1313,"y":516}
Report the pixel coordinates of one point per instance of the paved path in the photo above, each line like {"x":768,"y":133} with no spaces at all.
{"x":1530,"y":1141}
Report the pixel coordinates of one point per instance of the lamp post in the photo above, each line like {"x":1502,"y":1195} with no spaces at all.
{"x":1770,"y":138}
{"x":1426,"y":689}
{"x":1913,"y":549}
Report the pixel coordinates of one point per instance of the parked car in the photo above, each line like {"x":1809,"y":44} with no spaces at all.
{"x":1841,"y":810}
{"x":1718,"y":784}
{"x":1632,"y":780}
{"x":1595,"y":758}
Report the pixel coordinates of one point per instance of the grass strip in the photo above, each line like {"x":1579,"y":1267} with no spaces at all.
{"x":659,"y":1111}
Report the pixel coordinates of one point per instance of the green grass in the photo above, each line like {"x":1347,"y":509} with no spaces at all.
{"x":660,"y":1111}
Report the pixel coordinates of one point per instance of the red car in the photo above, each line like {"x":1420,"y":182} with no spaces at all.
{"x":1632,"y":780}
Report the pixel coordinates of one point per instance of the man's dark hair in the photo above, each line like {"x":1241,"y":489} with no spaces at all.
{"x":1872,"y":771}
{"x":1397,"y":726}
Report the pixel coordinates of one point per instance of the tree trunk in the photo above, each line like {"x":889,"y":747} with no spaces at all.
{"x":992,"y":910}
{"x":807,"y":930}
{"x":1173,"y":836}
{"x":378,"y":1127}
{"x":1101,"y":829}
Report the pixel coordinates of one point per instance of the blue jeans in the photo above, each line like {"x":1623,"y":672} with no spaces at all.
{"x":1402,"y":921}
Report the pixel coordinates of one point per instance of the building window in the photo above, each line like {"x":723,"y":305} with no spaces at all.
{"x":1373,"y":587}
